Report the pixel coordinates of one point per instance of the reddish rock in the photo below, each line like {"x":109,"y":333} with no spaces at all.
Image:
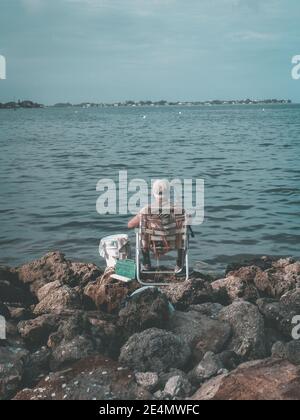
{"x":271,"y":279}
{"x":109,"y":294}
{"x":55,"y":267}
{"x":55,"y":297}
{"x":191,"y":292}
{"x":268,"y":379}
{"x":95,"y":378}
{"x":36,"y":331}
{"x":239,"y":284}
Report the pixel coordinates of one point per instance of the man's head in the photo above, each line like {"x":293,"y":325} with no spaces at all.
{"x":161,"y":191}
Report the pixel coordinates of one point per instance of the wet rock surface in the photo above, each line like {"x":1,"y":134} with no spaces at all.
{"x":73,"y":332}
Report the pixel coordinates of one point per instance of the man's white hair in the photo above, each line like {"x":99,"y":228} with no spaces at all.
{"x":161,"y":189}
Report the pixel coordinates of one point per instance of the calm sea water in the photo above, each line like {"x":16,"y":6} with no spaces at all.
{"x":51,"y":160}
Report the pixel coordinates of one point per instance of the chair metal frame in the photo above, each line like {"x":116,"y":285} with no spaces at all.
{"x":139,"y":250}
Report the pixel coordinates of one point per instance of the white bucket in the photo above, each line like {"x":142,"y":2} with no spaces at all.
{"x":113,"y":248}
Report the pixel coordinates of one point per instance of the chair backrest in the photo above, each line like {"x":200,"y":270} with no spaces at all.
{"x":163,"y":232}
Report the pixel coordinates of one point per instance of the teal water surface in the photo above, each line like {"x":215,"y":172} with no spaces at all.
{"x":51,"y":160}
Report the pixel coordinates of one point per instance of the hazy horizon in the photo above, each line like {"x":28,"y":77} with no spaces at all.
{"x":115,"y":50}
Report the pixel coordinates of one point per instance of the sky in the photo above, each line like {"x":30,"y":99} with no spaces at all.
{"x":115,"y":50}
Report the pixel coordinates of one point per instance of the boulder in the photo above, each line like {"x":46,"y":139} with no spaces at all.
{"x":35,"y":332}
{"x":263,"y":263}
{"x":4,"y":311}
{"x":11,"y":289}
{"x":154,"y":350}
{"x":11,"y":370}
{"x":55,"y":267}
{"x":36,"y":366}
{"x":147,"y":380}
{"x":191,"y":292}
{"x":260,"y":380}
{"x":229,"y":359}
{"x":248,"y":339}
{"x":147,"y":309}
{"x":69,"y":351}
{"x":211,"y":310}
{"x":264,"y":277}
{"x":293,"y":352}
{"x":95,"y":378}
{"x":239,"y":284}
{"x":109,"y":294}
{"x":283,"y":277}
{"x":55,"y":297}
{"x":178,"y":387}
{"x":20,"y":314}
{"x":210,"y":366}
{"x":72,"y":341}
{"x":200,"y":332}
{"x":279,"y":350}
{"x":278,"y":315}
{"x":84,"y":273}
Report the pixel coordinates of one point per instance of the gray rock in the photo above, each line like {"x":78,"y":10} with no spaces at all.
{"x":248,"y":340}
{"x":178,"y":387}
{"x":147,"y":309}
{"x":161,"y":396}
{"x":147,"y":380}
{"x":202,"y":333}
{"x":36,"y":366}
{"x":69,"y":351}
{"x":229,"y":359}
{"x":165,"y":376}
{"x":4,"y":311}
{"x":211,"y":310}
{"x":210,"y":366}
{"x":154,"y":350}
{"x":73,"y":341}
{"x":279,"y":350}
{"x":293,"y":352}
{"x":11,"y":370}
{"x":278,"y":315}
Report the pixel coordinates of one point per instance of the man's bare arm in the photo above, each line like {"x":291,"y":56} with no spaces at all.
{"x":134,"y":222}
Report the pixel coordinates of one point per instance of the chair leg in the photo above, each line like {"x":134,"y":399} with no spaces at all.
{"x":187,"y":269}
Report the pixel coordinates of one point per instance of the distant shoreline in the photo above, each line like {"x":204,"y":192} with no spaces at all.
{"x":133,"y":104}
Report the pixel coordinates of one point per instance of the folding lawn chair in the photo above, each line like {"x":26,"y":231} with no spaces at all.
{"x":159,"y":234}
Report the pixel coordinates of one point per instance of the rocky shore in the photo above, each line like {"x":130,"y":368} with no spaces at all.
{"x":73,"y":333}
